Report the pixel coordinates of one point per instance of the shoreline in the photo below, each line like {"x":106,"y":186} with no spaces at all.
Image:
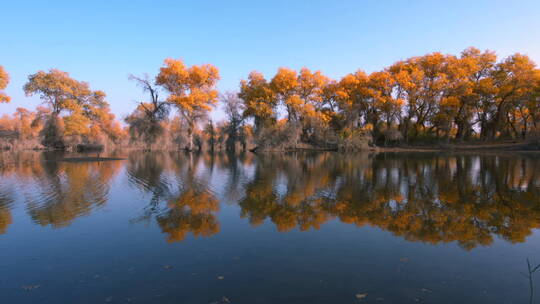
{"x":523,"y":146}
{"x":527,"y":146}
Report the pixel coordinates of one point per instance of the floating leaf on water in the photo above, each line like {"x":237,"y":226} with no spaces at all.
{"x":361,"y":296}
{"x":224,"y":300}
{"x":30,"y":287}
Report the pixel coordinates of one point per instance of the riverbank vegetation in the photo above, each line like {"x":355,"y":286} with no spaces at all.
{"x":430,"y":99}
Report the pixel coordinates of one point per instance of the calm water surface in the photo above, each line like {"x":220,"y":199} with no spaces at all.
{"x":277,"y":228}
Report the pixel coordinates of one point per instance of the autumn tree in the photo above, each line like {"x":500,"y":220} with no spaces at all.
{"x":353,"y":99}
{"x":513,"y":80}
{"x":86,"y":112}
{"x":423,"y":82}
{"x":259,"y":100}
{"x":285,"y":84}
{"x":469,"y":76}
{"x":191,"y":90}
{"x":4,"y":81}
{"x":56,"y":89}
{"x":26,"y":125}
{"x":300,"y":94}
{"x":386,"y":101}
{"x":313,"y":107}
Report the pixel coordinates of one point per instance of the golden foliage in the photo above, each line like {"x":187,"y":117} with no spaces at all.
{"x":4,"y":81}
{"x":191,"y":90}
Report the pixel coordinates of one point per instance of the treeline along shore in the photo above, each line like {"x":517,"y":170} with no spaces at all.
{"x":436,"y":100}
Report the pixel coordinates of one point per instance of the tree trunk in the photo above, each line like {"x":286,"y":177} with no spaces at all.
{"x":190,"y":140}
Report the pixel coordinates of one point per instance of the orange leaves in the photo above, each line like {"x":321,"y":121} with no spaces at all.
{"x":434,"y":94}
{"x":284,"y":82}
{"x":258,"y":97}
{"x":86,"y":112}
{"x":23,"y":122}
{"x":76,"y":124}
{"x":192,"y":89}
{"x":4,"y":80}
{"x":353,"y":92}
{"x":303,"y":94}
{"x":452,"y":102}
{"x":57,"y":89}
{"x":192,"y":211}
{"x":174,"y":76}
{"x":515,"y":77}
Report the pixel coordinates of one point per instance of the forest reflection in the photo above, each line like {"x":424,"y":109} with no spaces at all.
{"x":178,"y":184}
{"x":421,"y":197}
{"x":468,"y":199}
{"x":55,"y":193}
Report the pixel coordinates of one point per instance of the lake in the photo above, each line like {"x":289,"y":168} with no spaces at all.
{"x":171,"y":227}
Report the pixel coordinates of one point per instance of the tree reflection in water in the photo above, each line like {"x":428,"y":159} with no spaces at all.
{"x":176,"y":179}
{"x":432,"y":198}
{"x":56,"y":192}
{"x":421,"y":197}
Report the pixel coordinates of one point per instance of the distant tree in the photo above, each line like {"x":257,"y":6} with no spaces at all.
{"x":465,"y":103}
{"x":87,"y":112}
{"x":146,"y":120}
{"x":387,"y":104}
{"x":284,"y":84}
{"x":4,"y":80}
{"x":514,"y":81}
{"x":234,"y":108}
{"x":259,"y":100}
{"x":24,"y":119}
{"x":211,"y":135}
{"x":192,"y":91}
{"x":142,"y":127}
{"x":57,"y":89}
{"x":353,"y":99}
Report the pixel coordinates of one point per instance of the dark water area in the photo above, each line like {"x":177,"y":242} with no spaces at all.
{"x":269,"y":228}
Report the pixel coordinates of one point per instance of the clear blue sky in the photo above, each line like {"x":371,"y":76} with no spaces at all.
{"x":103,"y":41}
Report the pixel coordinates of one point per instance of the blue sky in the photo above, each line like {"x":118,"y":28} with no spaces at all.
{"x":102,"y":42}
